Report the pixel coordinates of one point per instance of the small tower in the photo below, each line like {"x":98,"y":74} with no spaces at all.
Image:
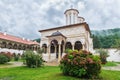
{"x":71,"y":16}
{"x":81,"y":19}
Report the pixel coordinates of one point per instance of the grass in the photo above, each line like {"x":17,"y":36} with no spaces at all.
{"x":24,"y":73}
{"x":118,"y":62}
{"x":46,"y":73}
{"x":110,"y":64}
{"x":110,"y":75}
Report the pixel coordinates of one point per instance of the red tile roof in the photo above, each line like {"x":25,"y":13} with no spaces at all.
{"x":5,"y":36}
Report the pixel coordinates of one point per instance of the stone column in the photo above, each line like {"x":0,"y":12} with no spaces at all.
{"x":63,"y":48}
{"x":55,"y":49}
{"x":83,"y":46}
{"x":59,"y":54}
{"x":48,"y":51}
{"x":73,"y":46}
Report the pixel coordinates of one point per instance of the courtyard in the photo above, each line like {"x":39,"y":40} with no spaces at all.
{"x":18,"y":71}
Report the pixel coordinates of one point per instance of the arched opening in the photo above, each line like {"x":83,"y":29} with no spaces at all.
{"x":20,"y":47}
{"x":4,"y":44}
{"x":78,"y":45}
{"x":54,"y":47}
{"x":24,"y":47}
{"x":28,"y":47}
{"x":68,"y":45}
{"x":10,"y":46}
{"x":62,"y":44}
{"x":15,"y":46}
{"x":44,"y":47}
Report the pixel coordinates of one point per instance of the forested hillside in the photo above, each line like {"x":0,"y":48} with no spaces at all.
{"x":105,"y":38}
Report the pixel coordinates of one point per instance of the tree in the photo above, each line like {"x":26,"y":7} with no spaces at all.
{"x":117,"y":44}
{"x":96,"y":42}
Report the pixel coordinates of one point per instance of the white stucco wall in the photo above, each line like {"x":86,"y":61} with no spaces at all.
{"x":11,"y":50}
{"x":114,"y":55}
{"x":77,"y":33}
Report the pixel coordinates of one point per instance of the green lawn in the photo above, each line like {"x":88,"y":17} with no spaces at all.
{"x":110,"y":64}
{"x":46,"y":73}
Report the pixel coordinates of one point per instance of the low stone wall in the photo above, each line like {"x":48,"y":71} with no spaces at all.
{"x":114,"y":55}
{"x":11,"y":50}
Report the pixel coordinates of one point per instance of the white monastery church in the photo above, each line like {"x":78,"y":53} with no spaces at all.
{"x":74,"y":35}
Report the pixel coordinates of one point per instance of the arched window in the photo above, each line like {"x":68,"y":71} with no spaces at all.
{"x":44,"y":47}
{"x":78,"y":45}
{"x":54,"y":44}
{"x":68,"y":45}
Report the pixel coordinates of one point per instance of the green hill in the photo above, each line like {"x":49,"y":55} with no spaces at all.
{"x":105,"y":38}
{"x":107,"y":32}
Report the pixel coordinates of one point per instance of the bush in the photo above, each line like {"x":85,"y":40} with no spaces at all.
{"x":16,"y":57}
{"x":81,"y":64}
{"x":33,"y":60}
{"x":8,"y":55}
{"x":103,"y":55}
{"x":3,"y":59}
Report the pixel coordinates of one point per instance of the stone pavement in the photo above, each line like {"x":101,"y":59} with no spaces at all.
{"x":13,"y":64}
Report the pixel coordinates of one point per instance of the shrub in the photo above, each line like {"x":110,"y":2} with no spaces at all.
{"x":8,"y":55}
{"x":33,"y":60}
{"x":16,"y":57}
{"x":3,"y":59}
{"x":103,"y":55}
{"x":81,"y":64}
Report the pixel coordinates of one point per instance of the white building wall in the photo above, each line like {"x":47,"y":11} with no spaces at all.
{"x":72,"y":33}
{"x":11,"y":50}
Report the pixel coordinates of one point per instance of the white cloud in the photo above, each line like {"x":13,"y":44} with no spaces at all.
{"x":24,"y":18}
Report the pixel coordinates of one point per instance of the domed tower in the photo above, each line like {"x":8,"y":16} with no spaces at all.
{"x":71,"y":16}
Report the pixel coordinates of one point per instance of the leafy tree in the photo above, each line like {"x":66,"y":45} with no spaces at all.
{"x":96,"y":42}
{"x":117,"y":44}
{"x":37,"y":40}
{"x":33,"y":60}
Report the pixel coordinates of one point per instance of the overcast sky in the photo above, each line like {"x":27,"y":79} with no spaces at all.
{"x":24,"y":18}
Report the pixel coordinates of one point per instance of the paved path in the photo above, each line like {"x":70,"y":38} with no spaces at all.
{"x":51,"y":64}
{"x":12,"y":64}
{"x":16,"y":64}
{"x":116,"y":68}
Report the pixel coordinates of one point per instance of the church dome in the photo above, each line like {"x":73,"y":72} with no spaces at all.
{"x":56,"y":33}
